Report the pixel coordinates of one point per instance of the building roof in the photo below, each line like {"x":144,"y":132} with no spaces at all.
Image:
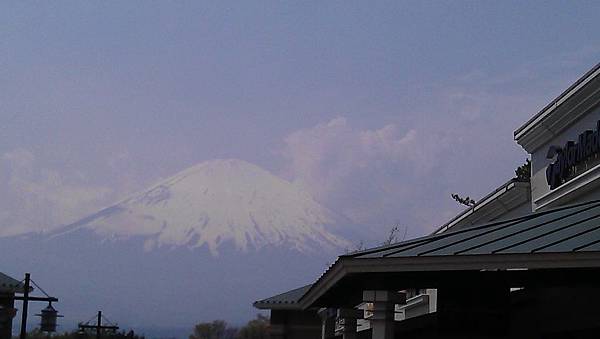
{"x":568,"y":229}
{"x":286,"y":300}
{"x":565,"y":237}
{"x":10,"y":285}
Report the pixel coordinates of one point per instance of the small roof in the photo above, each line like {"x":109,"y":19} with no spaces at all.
{"x":565,"y":237}
{"x":286,"y":300}
{"x":10,"y":285}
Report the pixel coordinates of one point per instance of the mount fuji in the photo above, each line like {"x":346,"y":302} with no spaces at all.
{"x":216,"y":202}
{"x":198,"y":246}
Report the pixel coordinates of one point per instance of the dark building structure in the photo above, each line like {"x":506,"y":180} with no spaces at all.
{"x":8,"y":288}
{"x":288,"y":319}
{"x":522,"y":263}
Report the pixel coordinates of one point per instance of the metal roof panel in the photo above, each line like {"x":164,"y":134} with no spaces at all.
{"x":518,"y":239}
{"x":535,"y":232}
{"x":575,"y":241}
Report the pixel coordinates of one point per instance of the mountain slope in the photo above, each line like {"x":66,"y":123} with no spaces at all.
{"x":218,"y":202}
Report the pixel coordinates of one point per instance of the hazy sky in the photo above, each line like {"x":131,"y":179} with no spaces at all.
{"x":380,"y":109}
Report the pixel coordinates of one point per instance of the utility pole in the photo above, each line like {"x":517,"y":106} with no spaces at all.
{"x":25,"y":304}
{"x":99,"y":325}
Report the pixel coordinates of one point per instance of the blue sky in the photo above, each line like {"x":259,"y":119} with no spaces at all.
{"x":381,"y":109}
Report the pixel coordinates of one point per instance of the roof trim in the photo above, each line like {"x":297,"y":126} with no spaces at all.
{"x":283,"y":301}
{"x":537,"y":130}
{"x":548,"y":108}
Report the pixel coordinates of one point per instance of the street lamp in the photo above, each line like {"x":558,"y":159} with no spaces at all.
{"x":48,"y":318}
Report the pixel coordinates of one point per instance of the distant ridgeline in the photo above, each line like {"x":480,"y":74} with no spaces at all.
{"x":573,"y":158}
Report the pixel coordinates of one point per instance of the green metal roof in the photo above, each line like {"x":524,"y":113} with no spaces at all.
{"x":567,"y":229}
{"x":287,"y":300}
{"x":521,"y":249}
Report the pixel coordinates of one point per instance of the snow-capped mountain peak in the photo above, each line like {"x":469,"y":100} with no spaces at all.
{"x":218,"y":202}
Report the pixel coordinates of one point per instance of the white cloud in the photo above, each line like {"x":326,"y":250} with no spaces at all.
{"x":459,"y":141}
{"x":363,"y":174}
{"x":404,"y":176}
{"x":38,"y":199}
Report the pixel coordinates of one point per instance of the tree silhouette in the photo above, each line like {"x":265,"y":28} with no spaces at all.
{"x":523,"y":172}
{"x":255,"y":329}
{"x":218,"y":329}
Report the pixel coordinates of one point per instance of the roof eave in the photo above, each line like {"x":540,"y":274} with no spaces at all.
{"x":11,"y":285}
{"x":520,"y":261}
{"x":323,"y":284}
{"x":277,"y":306}
{"x":561,"y":112}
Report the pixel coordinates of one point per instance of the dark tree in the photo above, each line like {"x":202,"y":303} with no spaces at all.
{"x":360,"y":246}
{"x":37,"y":334}
{"x":217,"y":329}
{"x":255,"y":329}
{"x":394,"y":236}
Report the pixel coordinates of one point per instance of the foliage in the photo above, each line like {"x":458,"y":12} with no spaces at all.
{"x":467,"y":201}
{"x":523,"y":172}
{"x":255,"y":329}
{"x":217,"y":329}
{"x":360,"y":246}
{"x":37,"y":334}
{"x":393,"y":236}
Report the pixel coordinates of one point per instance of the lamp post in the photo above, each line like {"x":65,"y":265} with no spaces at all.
{"x":49,"y":314}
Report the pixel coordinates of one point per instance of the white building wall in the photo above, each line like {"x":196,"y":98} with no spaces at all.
{"x":572,"y":191}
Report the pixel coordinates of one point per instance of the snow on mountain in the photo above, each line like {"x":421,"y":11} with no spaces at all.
{"x":217,"y":202}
